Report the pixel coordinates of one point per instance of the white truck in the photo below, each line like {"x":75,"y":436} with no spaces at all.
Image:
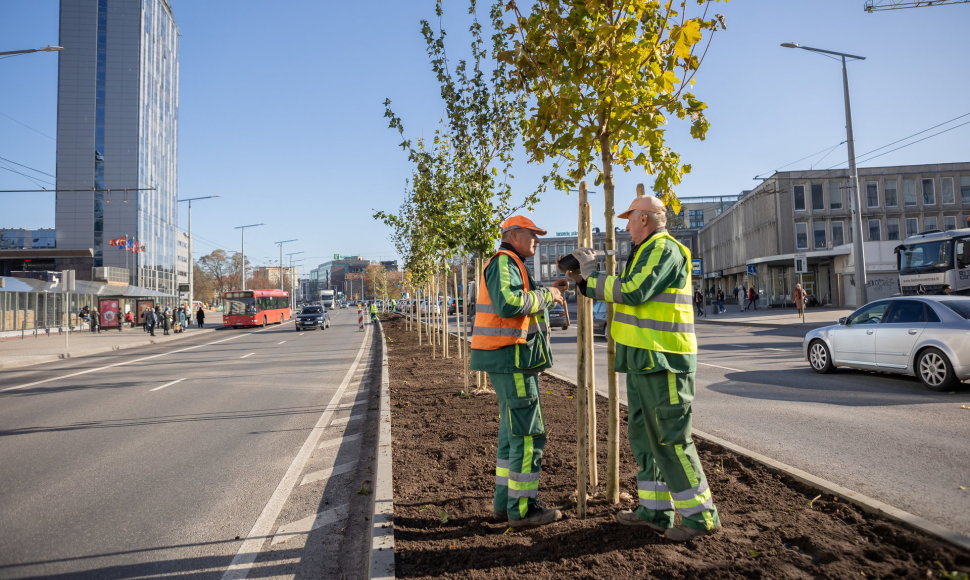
{"x":328,"y":298}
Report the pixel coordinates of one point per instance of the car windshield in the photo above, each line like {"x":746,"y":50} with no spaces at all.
{"x":961,"y":307}
{"x":312,"y":310}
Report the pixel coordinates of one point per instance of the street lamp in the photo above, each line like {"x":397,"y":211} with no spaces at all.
{"x":242,"y":249}
{"x":29,"y":50}
{"x":858,"y":252}
{"x":280,"y":244}
{"x":290,"y":256}
{"x":191,"y":263}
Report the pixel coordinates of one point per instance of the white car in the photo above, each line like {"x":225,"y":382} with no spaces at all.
{"x":924,"y":336}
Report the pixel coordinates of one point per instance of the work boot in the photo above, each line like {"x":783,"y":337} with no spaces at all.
{"x":631,"y":518}
{"x":537,"y":516}
{"x":684,"y":533}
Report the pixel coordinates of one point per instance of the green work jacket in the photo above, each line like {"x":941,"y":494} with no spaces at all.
{"x":654,"y":267}
{"x":505,"y":288}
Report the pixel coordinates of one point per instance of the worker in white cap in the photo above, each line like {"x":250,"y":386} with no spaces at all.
{"x":653,"y":326}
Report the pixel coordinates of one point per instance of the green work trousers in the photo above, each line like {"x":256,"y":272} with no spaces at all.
{"x":671,"y":478}
{"x":521,"y":438}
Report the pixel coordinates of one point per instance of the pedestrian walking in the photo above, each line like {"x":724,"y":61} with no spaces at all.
{"x":798,"y":297}
{"x":166,"y":323}
{"x":739,"y":295}
{"x":129,"y":319}
{"x":95,"y":320}
{"x":150,"y":320}
{"x":699,"y":302}
{"x":720,"y":301}
{"x":510,"y":341}
{"x":200,"y":317}
{"x":653,"y":326}
{"x":752,"y":299}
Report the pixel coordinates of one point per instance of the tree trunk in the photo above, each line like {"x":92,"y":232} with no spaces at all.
{"x":613,"y":430}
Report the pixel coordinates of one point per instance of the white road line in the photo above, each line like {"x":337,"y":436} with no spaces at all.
{"x":345,"y":420}
{"x":281,"y":342}
{"x":307,"y":525}
{"x":250,"y":548}
{"x":245,"y":355}
{"x":329,"y":472}
{"x":339,"y":441}
{"x":780,"y":349}
{"x":120,"y":364}
{"x":720,"y":367}
{"x":168,"y":384}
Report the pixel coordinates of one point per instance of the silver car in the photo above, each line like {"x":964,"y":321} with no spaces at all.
{"x":925,"y":336}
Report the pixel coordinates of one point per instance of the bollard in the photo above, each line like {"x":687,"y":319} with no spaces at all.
{"x":360,"y":318}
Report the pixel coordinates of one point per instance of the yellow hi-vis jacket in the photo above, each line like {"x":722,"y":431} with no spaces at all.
{"x":664,"y":322}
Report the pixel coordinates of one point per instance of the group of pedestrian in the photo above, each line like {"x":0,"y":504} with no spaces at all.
{"x":170,"y":320}
{"x":656,"y":348}
{"x":92,"y":316}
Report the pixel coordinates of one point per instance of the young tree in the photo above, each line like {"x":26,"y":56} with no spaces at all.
{"x":603,"y":76}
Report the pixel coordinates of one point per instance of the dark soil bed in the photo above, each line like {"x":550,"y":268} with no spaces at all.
{"x":444,"y":457}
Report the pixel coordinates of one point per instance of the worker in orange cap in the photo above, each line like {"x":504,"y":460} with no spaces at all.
{"x":653,"y":326}
{"x":510,"y":341}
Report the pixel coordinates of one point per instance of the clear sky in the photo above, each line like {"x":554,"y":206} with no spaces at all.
{"x":281,"y":110}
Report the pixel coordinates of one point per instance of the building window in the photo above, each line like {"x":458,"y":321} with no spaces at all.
{"x":912,"y":228}
{"x":875,"y":231}
{"x":872,"y":194}
{"x":909,"y":192}
{"x":946,"y":191}
{"x":892,"y":228}
{"x":930,"y":223}
{"x":801,"y":235}
{"x":929,"y":194}
{"x":818,"y":201}
{"x":965,"y":189}
{"x":889,"y":190}
{"x":835,"y":194}
{"x":818,"y":234}
{"x":838,"y":234}
{"x":949,"y":222}
{"x":696,"y":218}
{"x":799,"y":192}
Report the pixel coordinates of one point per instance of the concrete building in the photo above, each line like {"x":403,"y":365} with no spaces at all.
{"x":117,"y":130}
{"x":808,"y":213}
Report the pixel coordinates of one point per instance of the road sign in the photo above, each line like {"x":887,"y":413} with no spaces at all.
{"x":697,"y":267}
{"x":801,"y":264}
{"x":752,"y":270}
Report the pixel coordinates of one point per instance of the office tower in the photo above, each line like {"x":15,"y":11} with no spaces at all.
{"x":117,"y":133}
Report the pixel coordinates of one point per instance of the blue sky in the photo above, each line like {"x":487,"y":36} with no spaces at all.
{"x":281,"y":109}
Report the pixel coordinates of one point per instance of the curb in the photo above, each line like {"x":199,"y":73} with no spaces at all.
{"x":864,"y":502}
{"x":31,"y":360}
{"x":381,"y":564}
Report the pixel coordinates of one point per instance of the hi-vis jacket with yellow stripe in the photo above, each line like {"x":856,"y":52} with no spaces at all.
{"x":510,"y":332}
{"x":652,"y":299}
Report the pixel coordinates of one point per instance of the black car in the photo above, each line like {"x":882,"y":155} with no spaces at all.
{"x":312,"y":317}
{"x":558,"y":317}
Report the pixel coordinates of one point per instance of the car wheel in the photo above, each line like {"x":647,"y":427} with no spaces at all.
{"x":565,"y":327}
{"x":936,"y":372}
{"x":820,"y":357}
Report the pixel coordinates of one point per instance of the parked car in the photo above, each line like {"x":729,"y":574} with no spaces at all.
{"x":312,"y":317}
{"x":558,"y":317}
{"x":599,"y":318}
{"x":924,"y":336}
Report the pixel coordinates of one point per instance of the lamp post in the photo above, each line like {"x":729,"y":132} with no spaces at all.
{"x":189,"y":200}
{"x":280,"y":244}
{"x":242,"y":249}
{"x":857,"y":246}
{"x":29,"y":50}
{"x":290,"y":256}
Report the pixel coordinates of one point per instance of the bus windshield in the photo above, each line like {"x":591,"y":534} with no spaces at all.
{"x":935,"y":254}
{"x":240,"y":304}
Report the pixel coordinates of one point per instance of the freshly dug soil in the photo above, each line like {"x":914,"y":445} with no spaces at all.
{"x":773,"y":526}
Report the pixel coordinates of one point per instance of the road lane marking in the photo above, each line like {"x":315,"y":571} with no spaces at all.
{"x":253,"y":544}
{"x":168,"y":384}
{"x":120,"y":364}
{"x":281,"y":342}
{"x":345,"y":420}
{"x":339,"y":441}
{"x":245,"y":355}
{"x":720,"y":367}
{"x":329,"y":472}
{"x":307,"y":525}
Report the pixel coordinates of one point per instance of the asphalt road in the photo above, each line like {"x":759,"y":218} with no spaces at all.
{"x":884,"y":436}
{"x":164,"y":459}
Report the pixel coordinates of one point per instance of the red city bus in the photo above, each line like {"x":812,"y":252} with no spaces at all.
{"x":255,"y":307}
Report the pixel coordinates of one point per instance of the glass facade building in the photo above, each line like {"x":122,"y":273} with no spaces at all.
{"x":117,"y":134}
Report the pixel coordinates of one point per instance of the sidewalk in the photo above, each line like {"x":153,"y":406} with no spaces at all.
{"x":777,"y":317}
{"x":32,"y":350}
